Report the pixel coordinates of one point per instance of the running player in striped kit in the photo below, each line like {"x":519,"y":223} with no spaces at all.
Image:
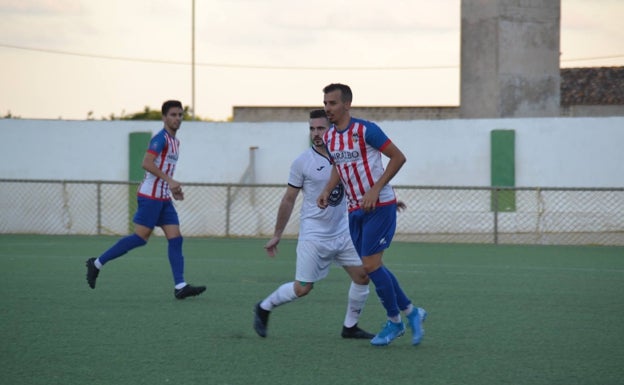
{"x":155,"y":207}
{"x":355,"y":147}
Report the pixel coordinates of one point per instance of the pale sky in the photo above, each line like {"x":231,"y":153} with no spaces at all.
{"x":66,"y":58}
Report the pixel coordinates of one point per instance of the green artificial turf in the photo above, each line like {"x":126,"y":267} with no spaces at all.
{"x":497,"y":315}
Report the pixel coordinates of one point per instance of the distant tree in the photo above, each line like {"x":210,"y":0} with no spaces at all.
{"x":9,"y":115}
{"x":148,"y":114}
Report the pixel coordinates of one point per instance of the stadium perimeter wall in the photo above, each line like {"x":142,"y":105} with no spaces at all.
{"x":549,"y":152}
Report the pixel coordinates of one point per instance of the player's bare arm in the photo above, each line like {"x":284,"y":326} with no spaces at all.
{"x":397,"y":159}
{"x":283,"y":216}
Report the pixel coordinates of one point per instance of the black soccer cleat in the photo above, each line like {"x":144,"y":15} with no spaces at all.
{"x":355,"y":332}
{"x":261,"y":320}
{"x":188,"y":291}
{"x":92,"y":272}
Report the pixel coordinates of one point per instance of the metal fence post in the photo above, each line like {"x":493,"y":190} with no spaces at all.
{"x":496,"y":190}
{"x":228,"y":205}
{"x":99,"y":207}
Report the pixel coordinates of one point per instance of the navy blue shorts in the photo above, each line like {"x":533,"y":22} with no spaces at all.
{"x":152,"y":212}
{"x":373,"y":231}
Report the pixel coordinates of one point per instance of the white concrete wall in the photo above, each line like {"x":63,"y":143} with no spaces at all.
{"x":550,"y":152}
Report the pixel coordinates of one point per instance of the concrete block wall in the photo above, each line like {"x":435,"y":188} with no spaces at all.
{"x":550,"y":152}
{"x":510,"y":58}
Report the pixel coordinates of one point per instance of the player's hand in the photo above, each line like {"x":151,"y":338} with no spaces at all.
{"x":271,"y":246}
{"x":179,"y":195}
{"x":174,"y":185}
{"x":176,"y":190}
{"x":323,"y":200}
{"x":369,"y":200}
{"x":401,"y":206}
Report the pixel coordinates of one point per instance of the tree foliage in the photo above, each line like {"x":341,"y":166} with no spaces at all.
{"x":150,"y":114}
{"x":9,"y":115}
{"x":146,"y":114}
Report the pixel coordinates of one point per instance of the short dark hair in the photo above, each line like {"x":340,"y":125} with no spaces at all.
{"x":169,"y":104}
{"x":345,"y":90}
{"x":317,"y":114}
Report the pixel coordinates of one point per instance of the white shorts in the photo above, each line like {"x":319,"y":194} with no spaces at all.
{"x":315,"y":257}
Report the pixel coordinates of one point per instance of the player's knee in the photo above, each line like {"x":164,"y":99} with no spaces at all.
{"x":303,"y":288}
{"x":143,"y":232}
{"x":361,"y":279}
{"x":372,"y":263}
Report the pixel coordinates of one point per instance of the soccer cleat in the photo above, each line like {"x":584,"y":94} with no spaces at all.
{"x":415,"y":320}
{"x":355,"y":332}
{"x":188,"y":291}
{"x":389,"y":333}
{"x":92,"y":272}
{"x":261,"y":320}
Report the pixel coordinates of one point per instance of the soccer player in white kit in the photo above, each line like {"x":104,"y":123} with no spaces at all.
{"x":323,"y":236}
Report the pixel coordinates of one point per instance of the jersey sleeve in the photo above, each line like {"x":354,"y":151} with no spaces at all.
{"x":375,"y":136}
{"x":157,"y":144}
{"x":295,"y":178}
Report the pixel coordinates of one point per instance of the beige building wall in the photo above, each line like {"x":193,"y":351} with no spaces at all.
{"x":509,"y":69}
{"x":510,"y":58}
{"x":378,"y":114}
{"x":301,"y":113}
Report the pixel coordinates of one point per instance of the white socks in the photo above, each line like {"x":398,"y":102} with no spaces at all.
{"x":283,"y":294}
{"x":357,"y":299}
{"x":408,"y":310}
{"x":286,"y":293}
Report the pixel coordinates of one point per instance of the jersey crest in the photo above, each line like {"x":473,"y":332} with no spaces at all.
{"x":336,"y":195}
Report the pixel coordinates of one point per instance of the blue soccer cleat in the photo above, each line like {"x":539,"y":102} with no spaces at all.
{"x":389,"y":333}
{"x":415,"y":320}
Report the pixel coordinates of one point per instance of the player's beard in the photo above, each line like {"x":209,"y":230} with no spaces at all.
{"x":173,"y":126}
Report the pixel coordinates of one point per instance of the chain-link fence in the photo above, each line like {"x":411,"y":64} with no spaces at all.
{"x":442,"y":214}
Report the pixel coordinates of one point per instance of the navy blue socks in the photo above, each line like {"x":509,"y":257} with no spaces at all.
{"x":385,"y":290}
{"x":176,"y":259}
{"x":120,"y":248}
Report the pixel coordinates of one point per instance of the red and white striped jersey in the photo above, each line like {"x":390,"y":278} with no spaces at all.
{"x":165,"y":147}
{"x":356,"y":151}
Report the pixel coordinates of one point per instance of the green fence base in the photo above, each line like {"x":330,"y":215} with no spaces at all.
{"x":503,"y":169}
{"x":137,"y":144}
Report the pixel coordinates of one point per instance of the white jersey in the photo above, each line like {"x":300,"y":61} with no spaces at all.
{"x":310,"y":172}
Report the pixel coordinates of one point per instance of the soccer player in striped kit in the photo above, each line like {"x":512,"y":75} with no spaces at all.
{"x":355,"y":147}
{"x":155,"y":207}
